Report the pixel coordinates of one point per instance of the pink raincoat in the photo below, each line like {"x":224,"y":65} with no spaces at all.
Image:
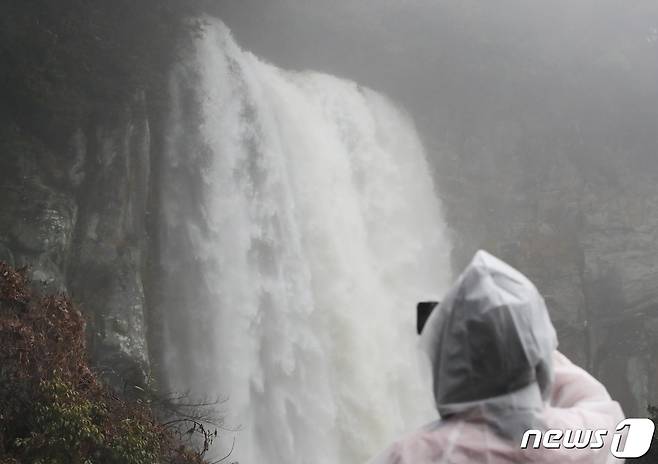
{"x":497,"y":374}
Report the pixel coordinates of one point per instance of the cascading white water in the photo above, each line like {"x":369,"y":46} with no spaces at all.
{"x":300,"y":228}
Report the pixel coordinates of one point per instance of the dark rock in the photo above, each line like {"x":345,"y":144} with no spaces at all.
{"x":109,"y":245}
{"x":76,"y":219}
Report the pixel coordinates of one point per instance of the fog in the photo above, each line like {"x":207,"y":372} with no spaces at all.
{"x":463,"y":66}
{"x":540,"y":120}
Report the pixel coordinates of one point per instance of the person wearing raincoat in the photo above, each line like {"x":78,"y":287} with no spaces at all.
{"x":497,"y":374}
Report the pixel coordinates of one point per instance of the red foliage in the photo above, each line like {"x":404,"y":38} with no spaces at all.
{"x":39,"y":336}
{"x":42,"y":338}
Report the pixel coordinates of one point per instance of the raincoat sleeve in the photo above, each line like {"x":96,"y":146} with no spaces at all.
{"x":577,"y":390}
{"x":579,"y":401}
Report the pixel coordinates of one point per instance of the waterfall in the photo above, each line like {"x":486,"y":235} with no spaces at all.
{"x":299,"y":227}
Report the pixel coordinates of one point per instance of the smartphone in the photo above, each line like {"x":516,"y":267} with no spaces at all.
{"x":423,"y":311}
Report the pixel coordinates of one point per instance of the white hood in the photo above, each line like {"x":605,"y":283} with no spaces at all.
{"x":490,"y":343}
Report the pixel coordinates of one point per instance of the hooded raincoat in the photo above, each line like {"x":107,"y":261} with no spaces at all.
{"x":497,"y":373}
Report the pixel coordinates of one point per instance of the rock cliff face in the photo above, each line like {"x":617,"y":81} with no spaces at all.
{"x":620,"y":284}
{"x":77,"y":219}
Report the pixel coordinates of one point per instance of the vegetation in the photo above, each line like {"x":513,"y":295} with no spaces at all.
{"x":63,"y":63}
{"x":53,"y":408}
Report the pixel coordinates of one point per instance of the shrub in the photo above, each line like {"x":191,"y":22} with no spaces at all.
{"x":53,"y":408}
